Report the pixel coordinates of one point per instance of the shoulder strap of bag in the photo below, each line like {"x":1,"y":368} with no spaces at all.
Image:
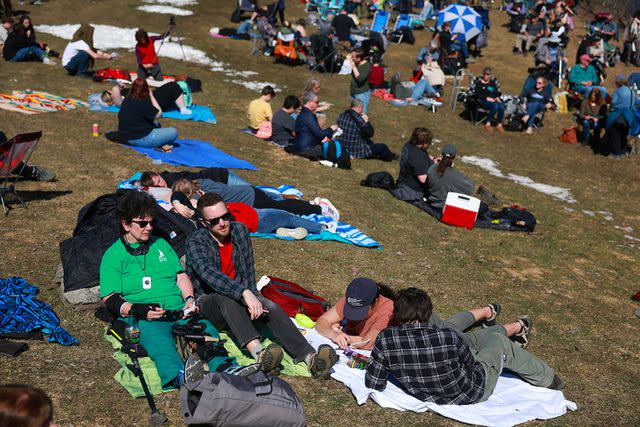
{"x":261,"y":383}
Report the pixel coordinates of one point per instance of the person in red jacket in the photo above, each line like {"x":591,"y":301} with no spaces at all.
{"x":148,"y":64}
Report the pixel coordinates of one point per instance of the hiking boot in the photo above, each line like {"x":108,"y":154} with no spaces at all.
{"x":242,"y":371}
{"x":329,"y":210}
{"x":298,"y":233}
{"x":488,"y":197}
{"x":524,"y":336}
{"x":495,"y":312}
{"x":194,"y":369}
{"x":270,"y":358}
{"x":42,"y":175}
{"x":557,"y":383}
{"x":322,"y":361}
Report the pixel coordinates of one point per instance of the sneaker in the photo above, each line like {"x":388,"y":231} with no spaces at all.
{"x":194,"y":369}
{"x":487,"y":196}
{"x":297,"y":233}
{"x":48,"y":61}
{"x":557,"y":383}
{"x":329,"y":210}
{"x":270,"y":358}
{"x":322,"y":361}
{"x":495,"y":312}
{"x":242,"y":371}
{"x":524,"y":336}
{"x":43,"y":175}
{"x":529,"y":131}
{"x":186,"y":111}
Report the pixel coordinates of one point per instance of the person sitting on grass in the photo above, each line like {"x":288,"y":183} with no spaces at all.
{"x":539,"y":99}
{"x":137,"y":119}
{"x":21,"y":44}
{"x":23,"y":170}
{"x":309,"y":136}
{"x":583,"y":78}
{"x":313,"y":85}
{"x":146,"y":57}
{"x":436,"y":365}
{"x":5,"y":28}
{"x":415,"y":161}
{"x":220,"y":261}
{"x":259,"y":109}
{"x":357,"y":134}
{"x":80,"y":53}
{"x":442,"y":179}
{"x":184,"y":199}
{"x":531,"y":32}
{"x":143,"y":283}
{"x":170,"y":97}
{"x":592,"y":115}
{"x":486,"y":90}
{"x":24,"y":405}
{"x":283,"y":126}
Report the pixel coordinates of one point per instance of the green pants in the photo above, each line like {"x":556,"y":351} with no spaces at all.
{"x":463,"y":320}
{"x":156,"y":338}
{"x":498,"y":352}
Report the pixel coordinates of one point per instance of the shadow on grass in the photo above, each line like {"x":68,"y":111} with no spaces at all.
{"x":33,"y":195}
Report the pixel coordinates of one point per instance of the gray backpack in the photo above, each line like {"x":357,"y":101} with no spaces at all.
{"x":231,"y":400}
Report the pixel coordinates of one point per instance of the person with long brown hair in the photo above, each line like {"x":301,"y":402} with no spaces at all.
{"x":148,"y":64}
{"x":136,"y":119}
{"x":360,"y":70}
{"x":442,"y":178}
{"x":25,"y":406}
{"x":415,"y":161}
{"x":592,"y":115}
{"x":79,"y":53}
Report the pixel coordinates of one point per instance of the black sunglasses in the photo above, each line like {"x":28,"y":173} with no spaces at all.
{"x":215,"y":221}
{"x":143,"y":224}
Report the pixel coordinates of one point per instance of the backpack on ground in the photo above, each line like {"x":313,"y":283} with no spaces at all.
{"x":379,"y":180}
{"x":518,"y":217}
{"x":515,"y":123}
{"x":294,"y":299}
{"x":112,"y":73}
{"x":335,"y":152}
{"x":230,"y":400}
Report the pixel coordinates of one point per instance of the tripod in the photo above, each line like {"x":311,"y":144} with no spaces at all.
{"x":171,"y":30}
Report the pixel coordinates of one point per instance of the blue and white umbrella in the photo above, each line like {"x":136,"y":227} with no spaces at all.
{"x":464,"y":21}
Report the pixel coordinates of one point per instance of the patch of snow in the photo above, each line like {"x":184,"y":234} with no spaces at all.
{"x":567,"y":209}
{"x":608,"y":216}
{"x":491,"y":167}
{"x":635,"y":239}
{"x":628,"y":229}
{"x":589,"y":213}
{"x":168,"y":10}
{"x":236,"y":73}
{"x":177,"y":3}
{"x":254,"y":86}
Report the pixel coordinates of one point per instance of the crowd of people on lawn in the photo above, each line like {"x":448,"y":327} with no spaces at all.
{"x":143,"y":282}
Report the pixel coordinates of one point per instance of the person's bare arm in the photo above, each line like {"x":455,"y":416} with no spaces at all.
{"x":155,"y":104}
{"x":328,"y":325}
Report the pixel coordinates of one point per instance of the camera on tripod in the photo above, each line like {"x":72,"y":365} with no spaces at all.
{"x":172,"y":21}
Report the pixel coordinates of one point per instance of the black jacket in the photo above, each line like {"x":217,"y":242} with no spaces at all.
{"x":16,"y":41}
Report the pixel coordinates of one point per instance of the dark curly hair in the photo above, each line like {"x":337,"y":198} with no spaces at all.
{"x":24,"y":405}
{"x":411,"y":305}
{"x":146,"y":180}
{"x":135,"y":204}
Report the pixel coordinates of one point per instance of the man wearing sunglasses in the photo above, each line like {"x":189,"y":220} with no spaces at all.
{"x":220,"y":262}
{"x":142,"y":282}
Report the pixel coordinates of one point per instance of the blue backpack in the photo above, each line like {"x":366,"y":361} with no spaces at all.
{"x":336,"y":153}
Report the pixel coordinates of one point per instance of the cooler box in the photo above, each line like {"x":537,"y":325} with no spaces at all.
{"x":460,"y":210}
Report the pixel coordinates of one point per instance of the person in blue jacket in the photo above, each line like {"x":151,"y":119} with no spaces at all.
{"x":309,"y":134}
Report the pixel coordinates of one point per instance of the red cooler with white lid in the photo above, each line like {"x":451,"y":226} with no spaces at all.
{"x":460,"y":210}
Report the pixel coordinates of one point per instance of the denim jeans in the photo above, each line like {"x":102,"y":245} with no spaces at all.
{"x":234,"y":179}
{"x":156,"y":138}
{"x":365,"y":98}
{"x":586,"y":90}
{"x":534,"y":108}
{"x":227,"y":313}
{"x":269,"y":220}
{"x":587,"y":127}
{"x":460,"y":46}
{"x":79,"y":64}
{"x":422,"y":88}
{"x":496,"y":110}
{"x":244,"y":27}
{"x":23,"y":54}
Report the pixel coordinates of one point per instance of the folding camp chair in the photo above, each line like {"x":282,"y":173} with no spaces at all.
{"x":336,"y":5}
{"x":460,"y":86}
{"x":13,"y":153}
{"x":404,"y":21}
{"x":380,"y":22}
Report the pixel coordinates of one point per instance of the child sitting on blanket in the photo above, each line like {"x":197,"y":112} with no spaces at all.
{"x":186,"y":193}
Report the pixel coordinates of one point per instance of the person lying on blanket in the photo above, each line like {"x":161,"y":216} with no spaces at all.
{"x":184,"y":199}
{"x":142,"y":282}
{"x":170,"y":96}
{"x":253,"y":197}
{"x":220,"y":262}
{"x":436,"y":365}
{"x":137,"y":119}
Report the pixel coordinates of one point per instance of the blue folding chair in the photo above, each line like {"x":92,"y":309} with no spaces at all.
{"x":380,"y":22}
{"x":336,"y":5}
{"x":404,"y":21}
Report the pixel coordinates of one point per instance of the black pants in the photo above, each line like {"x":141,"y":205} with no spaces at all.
{"x":226,"y":313}
{"x":615,"y":139}
{"x":297,"y":207}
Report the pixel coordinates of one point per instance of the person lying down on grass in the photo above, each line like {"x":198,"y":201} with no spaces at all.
{"x":184,"y":199}
{"x":170,"y":96}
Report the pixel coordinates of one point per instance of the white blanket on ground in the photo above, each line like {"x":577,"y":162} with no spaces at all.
{"x":513,"y":401}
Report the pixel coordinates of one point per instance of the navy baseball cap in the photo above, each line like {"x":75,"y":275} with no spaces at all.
{"x":361,"y":294}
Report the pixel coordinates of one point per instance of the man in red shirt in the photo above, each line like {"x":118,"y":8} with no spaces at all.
{"x":220,"y":264}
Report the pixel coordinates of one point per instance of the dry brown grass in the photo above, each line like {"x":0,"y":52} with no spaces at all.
{"x":573,"y":276}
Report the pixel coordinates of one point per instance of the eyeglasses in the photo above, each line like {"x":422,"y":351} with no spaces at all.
{"x":215,"y":221}
{"x":142,"y":224}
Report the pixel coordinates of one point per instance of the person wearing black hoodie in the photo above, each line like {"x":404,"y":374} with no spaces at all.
{"x":21,"y":43}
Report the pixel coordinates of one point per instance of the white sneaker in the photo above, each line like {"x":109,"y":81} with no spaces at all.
{"x":185,"y":111}
{"x":315,"y":201}
{"x":329,"y":210}
{"x":328,"y":164}
{"x":48,"y":61}
{"x":298,"y":233}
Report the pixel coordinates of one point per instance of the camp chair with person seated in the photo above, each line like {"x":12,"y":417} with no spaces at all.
{"x":285,"y":50}
{"x":13,"y":153}
{"x":403,"y":24}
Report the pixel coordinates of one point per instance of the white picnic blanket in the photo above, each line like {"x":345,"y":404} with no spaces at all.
{"x":513,"y":401}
